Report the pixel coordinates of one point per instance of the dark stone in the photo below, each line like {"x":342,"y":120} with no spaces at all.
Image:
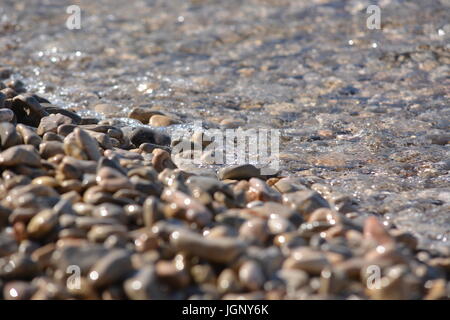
{"x":146,"y":135}
{"x":54,"y":110}
{"x":28,"y":110}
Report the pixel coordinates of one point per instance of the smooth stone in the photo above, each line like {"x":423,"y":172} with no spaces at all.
{"x":103,"y":139}
{"x":305,"y":202}
{"x":152,"y":211}
{"x":278,"y":225}
{"x":223,"y":250}
{"x":228,"y":281}
{"x":28,"y":110}
{"x":66,"y":129}
{"x":440,"y":139}
{"x":49,"y":149}
{"x":269,"y":258}
{"x":8,"y":135}
{"x":18,"y":267}
{"x":51,"y":136}
{"x":111,"y":163}
{"x":42,"y":223}
{"x":288,"y":185}
{"x":293,"y":279}
{"x":96,"y":195}
{"x":83,"y":257}
{"x":4,"y":216}
{"x":161,"y":121}
{"x":52,"y":109}
{"x":110,"y":210}
{"x":100,"y":233}
{"x":89,"y":144}
{"x":29,"y":136}
{"x":88,"y":222}
{"x":8,"y":245}
{"x":195,"y":210}
{"x":3,"y":97}
{"x":112,"y":180}
{"x":20,"y":155}
{"x":146,"y":135}
{"x":259,"y":190}
{"x":113,"y":267}
{"x":270,"y":208}
{"x":375,"y":231}
{"x":203,"y":273}
{"x":80,"y":145}
{"x":254,"y":230}
{"x":145,"y":186}
{"x":42,"y":255}
{"x":6,"y":115}
{"x":251,"y":275}
{"x":143,"y":114}
{"x":162,"y":160}
{"x":208,"y":184}
{"x":51,"y":123}
{"x":238,"y":172}
{"x":144,"y":285}
{"x":306,"y":259}
{"x":171,"y":273}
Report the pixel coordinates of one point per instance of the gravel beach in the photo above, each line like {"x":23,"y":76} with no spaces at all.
{"x":95,"y":202}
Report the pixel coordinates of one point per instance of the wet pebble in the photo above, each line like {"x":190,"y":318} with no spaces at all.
{"x":20,"y":155}
{"x":113,"y":267}
{"x":222,"y":250}
{"x":239,"y":172}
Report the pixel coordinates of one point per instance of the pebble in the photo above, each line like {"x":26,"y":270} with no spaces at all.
{"x":28,"y":110}
{"x":52,"y":109}
{"x":222,"y":250}
{"x":82,"y":256}
{"x":112,"y":180}
{"x":307,"y":260}
{"x":50,"y":149}
{"x":162,"y":160}
{"x":161,"y":121}
{"x":251,"y":275}
{"x":143,"y":114}
{"x":29,"y":136}
{"x":6,"y":115}
{"x":88,"y":144}
{"x":255,"y":231}
{"x":42,"y":223}
{"x":111,"y":268}
{"x":17,"y":266}
{"x":239,"y":172}
{"x":20,"y":155}
{"x":228,"y":281}
{"x":8,"y":135}
{"x":305,"y":202}
{"x":172,"y":273}
{"x":142,"y":135}
{"x":51,"y":123}
{"x":374,"y":230}
{"x":144,"y":285}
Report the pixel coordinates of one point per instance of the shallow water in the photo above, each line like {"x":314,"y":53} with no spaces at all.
{"x":297,"y":66}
